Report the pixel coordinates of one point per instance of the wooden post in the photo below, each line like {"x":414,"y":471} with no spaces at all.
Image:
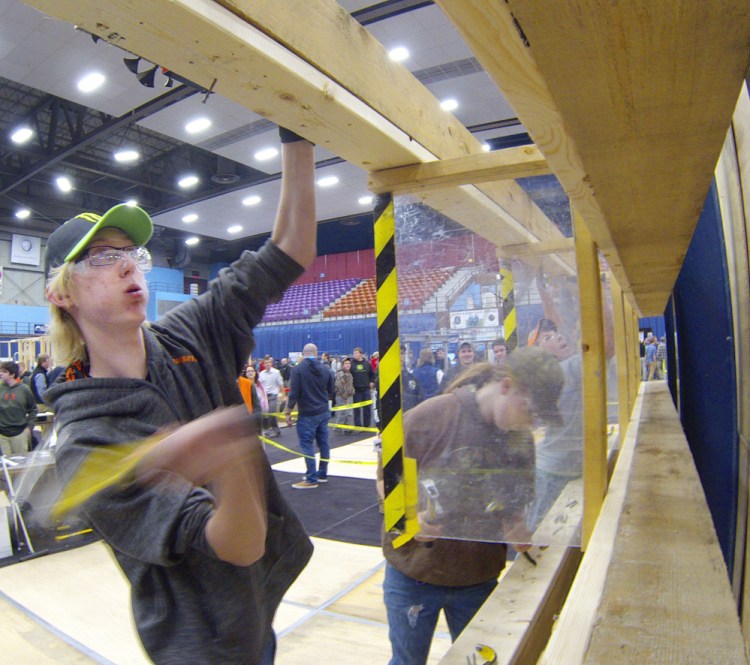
{"x":624,"y":360}
{"x":594,"y":386}
{"x":637,"y":374}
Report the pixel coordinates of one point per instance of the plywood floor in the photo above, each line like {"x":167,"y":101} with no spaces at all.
{"x":72,"y":607}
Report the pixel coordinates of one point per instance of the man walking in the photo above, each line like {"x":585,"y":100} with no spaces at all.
{"x":312,"y":390}
{"x":272,"y":382}
{"x":17,"y":411}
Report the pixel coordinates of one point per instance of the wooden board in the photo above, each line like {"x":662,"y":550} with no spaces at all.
{"x":629,"y":102}
{"x":508,"y":164}
{"x":594,"y":388}
{"x":652,"y":587}
{"x":730,"y":188}
{"x":337,"y":88}
{"x":517,"y":618}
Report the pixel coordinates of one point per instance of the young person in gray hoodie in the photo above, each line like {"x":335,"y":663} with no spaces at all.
{"x":199,"y":528}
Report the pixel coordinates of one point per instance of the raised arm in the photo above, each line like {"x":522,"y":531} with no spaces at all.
{"x":294,"y":231}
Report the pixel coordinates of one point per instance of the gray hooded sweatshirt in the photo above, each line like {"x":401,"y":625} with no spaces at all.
{"x":189,"y":606}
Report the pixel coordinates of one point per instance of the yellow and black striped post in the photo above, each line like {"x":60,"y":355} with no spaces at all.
{"x":399,"y":472}
{"x":510,"y":331}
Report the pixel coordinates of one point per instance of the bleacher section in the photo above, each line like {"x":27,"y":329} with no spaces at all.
{"x":415,"y":288}
{"x":359,"y":301}
{"x":303,"y":301}
{"x":425,"y":284}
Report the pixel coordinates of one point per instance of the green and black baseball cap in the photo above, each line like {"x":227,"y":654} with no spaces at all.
{"x":69,"y":241}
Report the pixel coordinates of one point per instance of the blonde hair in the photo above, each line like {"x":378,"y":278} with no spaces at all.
{"x":65,"y":335}
{"x":426,"y":357}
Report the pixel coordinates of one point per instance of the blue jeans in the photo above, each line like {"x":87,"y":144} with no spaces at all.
{"x":413,"y":608}
{"x":311,"y":430}
{"x":362,"y":415}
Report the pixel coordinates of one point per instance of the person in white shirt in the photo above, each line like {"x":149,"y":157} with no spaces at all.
{"x":272,"y":382}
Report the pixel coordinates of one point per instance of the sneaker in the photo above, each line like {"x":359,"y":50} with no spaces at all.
{"x":304,"y":485}
{"x":324,"y":479}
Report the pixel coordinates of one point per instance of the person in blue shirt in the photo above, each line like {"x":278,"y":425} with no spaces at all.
{"x":312,"y":392}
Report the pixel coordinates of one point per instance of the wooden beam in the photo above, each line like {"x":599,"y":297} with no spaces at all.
{"x":517,"y":618}
{"x":533,"y":249}
{"x":594,"y":373}
{"x":673,"y":605}
{"x":325,"y":77}
{"x":731,"y":180}
{"x":623,"y":357}
{"x":630,"y":103}
{"x":637,"y":375}
{"x":508,"y":164}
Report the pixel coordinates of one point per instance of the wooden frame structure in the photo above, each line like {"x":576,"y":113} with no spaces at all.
{"x":624,"y":102}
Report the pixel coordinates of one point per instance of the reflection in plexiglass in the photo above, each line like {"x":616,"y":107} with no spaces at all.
{"x":492,"y":382}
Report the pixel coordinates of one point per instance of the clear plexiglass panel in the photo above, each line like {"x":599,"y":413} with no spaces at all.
{"x":492,"y":368}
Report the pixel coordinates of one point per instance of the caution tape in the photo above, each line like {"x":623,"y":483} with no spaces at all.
{"x":323,"y":459}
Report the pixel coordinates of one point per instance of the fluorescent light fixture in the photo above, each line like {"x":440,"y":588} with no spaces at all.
{"x":234,"y":229}
{"x":328,"y":181}
{"x":251,"y":200}
{"x":190,"y":217}
{"x":91,"y":82}
{"x":449,"y":104}
{"x":21,"y":135}
{"x":486,"y":147}
{"x":188,"y":181}
{"x":265,"y":154}
{"x":192,"y":240}
{"x":131,"y":202}
{"x":197,"y":125}
{"x":23,"y":213}
{"x":126,"y":155}
{"x":64,"y":184}
{"x":365,"y":200}
{"x":398,"y":54}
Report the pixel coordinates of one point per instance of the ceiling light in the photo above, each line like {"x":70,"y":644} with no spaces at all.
{"x":191,"y":217}
{"x":265,"y":154}
{"x":234,"y":229}
{"x":486,"y":147}
{"x":23,"y":213}
{"x":251,"y":200}
{"x":197,"y":125}
{"x":192,"y":240}
{"x":398,"y":54}
{"x":188,"y":181}
{"x":91,"y":82}
{"x":449,"y":105}
{"x":131,"y":203}
{"x":21,"y":135}
{"x":365,"y":200}
{"x":64,"y":184}
{"x":328,"y":181}
{"x":127,"y":155}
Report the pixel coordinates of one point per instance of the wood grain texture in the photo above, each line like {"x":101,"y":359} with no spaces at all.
{"x":652,"y":587}
{"x":594,"y":377}
{"x":629,"y":102}
{"x":730,"y":187}
{"x":325,"y":77}
{"x":508,"y":164}
{"x":623,"y":356}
